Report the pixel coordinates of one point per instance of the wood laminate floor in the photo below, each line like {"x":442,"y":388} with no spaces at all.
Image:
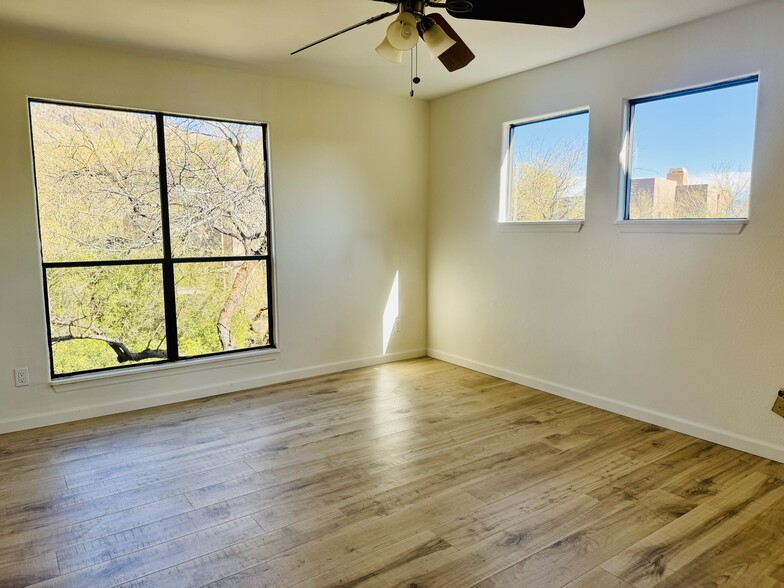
{"x":414,"y":474}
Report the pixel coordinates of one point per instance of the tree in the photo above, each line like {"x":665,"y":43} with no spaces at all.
{"x":641,"y":204}
{"x":546,"y":182}
{"x":216,"y":174}
{"x":733,"y":185}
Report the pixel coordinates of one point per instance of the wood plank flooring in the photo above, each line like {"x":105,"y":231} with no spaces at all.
{"x":413,"y":474}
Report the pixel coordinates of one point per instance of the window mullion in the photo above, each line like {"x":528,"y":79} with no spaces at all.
{"x":169,"y":299}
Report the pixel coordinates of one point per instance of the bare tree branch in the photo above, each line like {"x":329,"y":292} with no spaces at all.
{"x":124,"y":354}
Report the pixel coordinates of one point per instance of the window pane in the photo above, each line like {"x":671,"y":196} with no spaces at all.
{"x":97,"y":183}
{"x":548,"y":169}
{"x":221,"y":306}
{"x":217,"y":192}
{"x":106,"y":316}
{"x":691,"y":154}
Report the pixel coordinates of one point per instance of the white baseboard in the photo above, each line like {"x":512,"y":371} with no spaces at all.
{"x":700,"y":430}
{"x":95,"y":410}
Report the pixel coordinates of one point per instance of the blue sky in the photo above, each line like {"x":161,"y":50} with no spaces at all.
{"x":548,"y":132}
{"x":695,"y":131}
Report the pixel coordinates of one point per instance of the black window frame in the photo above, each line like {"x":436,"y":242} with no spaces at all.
{"x":167,"y":262}
{"x":629,"y":132}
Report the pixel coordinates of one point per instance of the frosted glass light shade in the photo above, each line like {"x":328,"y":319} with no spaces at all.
{"x":402,"y":34}
{"x":437,"y":41}
{"x":388,"y":52}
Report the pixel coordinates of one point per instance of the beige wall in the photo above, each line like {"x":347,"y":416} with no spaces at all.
{"x":346,"y":219}
{"x":685,"y":330}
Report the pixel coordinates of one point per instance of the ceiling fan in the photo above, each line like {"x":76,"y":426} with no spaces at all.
{"x":412,"y":22}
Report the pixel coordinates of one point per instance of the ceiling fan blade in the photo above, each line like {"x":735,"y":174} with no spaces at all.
{"x":551,"y":13}
{"x":458,"y":55}
{"x":347,"y":29}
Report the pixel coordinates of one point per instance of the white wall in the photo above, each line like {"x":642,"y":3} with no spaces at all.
{"x":685,"y":331}
{"x":346,"y":219}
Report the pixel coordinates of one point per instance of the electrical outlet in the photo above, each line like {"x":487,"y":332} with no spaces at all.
{"x":778,"y":406}
{"x":397,"y":325}
{"x":21,"y":377}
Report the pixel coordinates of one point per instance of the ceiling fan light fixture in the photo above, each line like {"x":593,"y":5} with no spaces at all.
{"x":437,"y":41}
{"x":402,"y":34}
{"x":388,"y":52}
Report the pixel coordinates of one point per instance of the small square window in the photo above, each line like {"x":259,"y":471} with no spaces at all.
{"x":690,"y":153}
{"x":545,"y":170}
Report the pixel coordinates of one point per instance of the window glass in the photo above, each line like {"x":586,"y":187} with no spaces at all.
{"x":97,"y":180}
{"x":100,"y":316}
{"x":547,"y":169}
{"x":205,"y":322}
{"x":691,"y":153}
{"x":216,"y":178}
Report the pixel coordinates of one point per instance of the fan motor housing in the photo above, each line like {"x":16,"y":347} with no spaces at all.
{"x":415,"y":7}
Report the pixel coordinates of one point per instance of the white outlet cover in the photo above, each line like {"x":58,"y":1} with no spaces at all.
{"x":21,"y":377}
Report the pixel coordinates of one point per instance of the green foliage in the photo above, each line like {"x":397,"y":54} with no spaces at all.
{"x":546,"y":184}
{"x":120,"y":303}
{"x":82,"y":355}
{"x":202,"y":290}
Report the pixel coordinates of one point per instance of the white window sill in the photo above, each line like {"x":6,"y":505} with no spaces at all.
{"x":147,"y":372}
{"x":716,"y":226}
{"x":567,"y":226}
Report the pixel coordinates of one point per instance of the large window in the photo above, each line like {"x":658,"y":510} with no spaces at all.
{"x":154,"y":235}
{"x":546,"y":168}
{"x":691,"y":152}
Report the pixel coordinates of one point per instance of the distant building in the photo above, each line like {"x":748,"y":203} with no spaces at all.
{"x":674,"y":197}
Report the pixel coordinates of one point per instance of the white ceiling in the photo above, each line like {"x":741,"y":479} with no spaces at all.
{"x":260,"y":34}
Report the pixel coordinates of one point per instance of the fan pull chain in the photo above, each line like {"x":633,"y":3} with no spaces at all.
{"x":414,"y":67}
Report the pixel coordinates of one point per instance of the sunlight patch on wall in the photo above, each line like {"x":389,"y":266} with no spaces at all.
{"x":391,"y":312}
